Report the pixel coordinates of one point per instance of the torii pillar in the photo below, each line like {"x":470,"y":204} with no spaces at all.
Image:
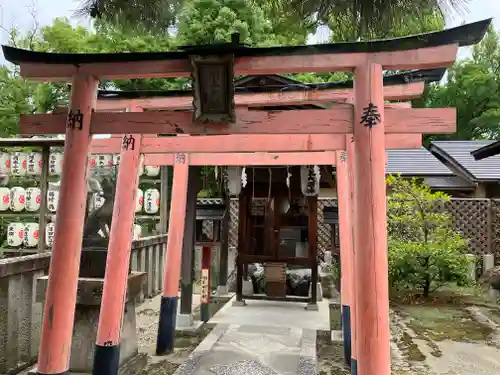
{"x":107,"y":351}
{"x":169,"y":300}
{"x":370,"y":223}
{"x":59,"y":310}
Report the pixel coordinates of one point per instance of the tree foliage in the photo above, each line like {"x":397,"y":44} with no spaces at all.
{"x":425,"y":252}
{"x":212,"y":21}
{"x":473,"y":88}
{"x":365,"y":17}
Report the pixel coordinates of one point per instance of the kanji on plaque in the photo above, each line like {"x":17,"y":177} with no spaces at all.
{"x":204,"y":286}
{"x":180,"y":158}
{"x":75,"y":119}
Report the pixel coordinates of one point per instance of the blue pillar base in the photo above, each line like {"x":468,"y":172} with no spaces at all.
{"x":346,"y":332}
{"x":106,"y":360}
{"x":354,"y":366}
{"x":166,"y":325}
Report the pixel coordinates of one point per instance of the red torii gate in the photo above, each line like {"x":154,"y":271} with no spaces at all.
{"x":368,"y":126}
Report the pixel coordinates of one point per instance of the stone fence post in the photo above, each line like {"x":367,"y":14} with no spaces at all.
{"x":488,"y":262}
{"x":20,"y":316}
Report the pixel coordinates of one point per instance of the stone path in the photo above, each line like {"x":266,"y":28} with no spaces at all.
{"x":232,"y":349}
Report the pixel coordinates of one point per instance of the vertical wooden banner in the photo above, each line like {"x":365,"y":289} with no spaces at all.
{"x":370,"y":264}
{"x":206,"y":262}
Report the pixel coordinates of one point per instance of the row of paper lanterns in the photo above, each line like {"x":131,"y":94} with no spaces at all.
{"x":27,"y":234}
{"x":18,"y":199}
{"x":30,"y":164}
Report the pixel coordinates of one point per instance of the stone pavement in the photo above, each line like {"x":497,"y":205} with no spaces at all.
{"x":274,"y":313}
{"x":232,"y":349}
{"x":261,"y":338}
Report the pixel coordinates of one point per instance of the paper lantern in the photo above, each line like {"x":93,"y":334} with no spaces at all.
{"x":234,"y":180}
{"x":116,"y":159}
{"x":137,"y":232}
{"x":151,"y":201}
{"x":4,"y":198}
{"x":15,"y":234}
{"x":34,"y":164}
{"x":104,"y":160}
{"x":152,"y":170}
{"x":33,"y":199}
{"x":141,"y":165}
{"x":31,"y":234}
{"x":52,"y":200}
{"x":93,"y":160}
{"x":55,"y":163}
{"x":4,"y":162}
{"x":17,"y":199}
{"x":18,"y":163}
{"x":139,"y":200}
{"x":310,"y":177}
{"x":50,"y":229}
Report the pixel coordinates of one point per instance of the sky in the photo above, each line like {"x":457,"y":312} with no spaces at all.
{"x":17,"y":13}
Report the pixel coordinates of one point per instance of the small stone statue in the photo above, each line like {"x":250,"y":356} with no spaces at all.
{"x":97,"y":226}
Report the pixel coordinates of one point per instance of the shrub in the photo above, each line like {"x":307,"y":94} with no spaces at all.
{"x":425,"y":251}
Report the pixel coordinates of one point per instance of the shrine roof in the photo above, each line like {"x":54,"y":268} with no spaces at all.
{"x":31,"y":142}
{"x":457,"y":155}
{"x":422,"y":75}
{"x":491,"y":149}
{"x":415,"y":162}
{"x":464,"y":35}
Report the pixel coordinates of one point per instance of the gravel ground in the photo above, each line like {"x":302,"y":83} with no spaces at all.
{"x":147,"y":326}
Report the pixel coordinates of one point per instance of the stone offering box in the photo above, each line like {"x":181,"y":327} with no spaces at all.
{"x":88,"y":304}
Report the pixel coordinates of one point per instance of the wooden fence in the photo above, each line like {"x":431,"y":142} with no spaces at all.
{"x":476,"y":218}
{"x":21,"y":315}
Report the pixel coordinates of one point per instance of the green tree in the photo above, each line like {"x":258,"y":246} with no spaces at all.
{"x":343,"y":29}
{"x":365,"y":17}
{"x":425,"y":252}
{"x":18,"y":96}
{"x":473,"y":88}
{"x":210,"y":21}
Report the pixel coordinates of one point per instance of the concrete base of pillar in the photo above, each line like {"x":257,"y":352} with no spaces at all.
{"x":222,"y":290}
{"x":337,"y":336}
{"x":319,"y":292}
{"x":247,"y":288}
{"x":87,"y":319}
{"x":186,"y":323}
{"x":239,"y":303}
{"x":184,"y":320}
